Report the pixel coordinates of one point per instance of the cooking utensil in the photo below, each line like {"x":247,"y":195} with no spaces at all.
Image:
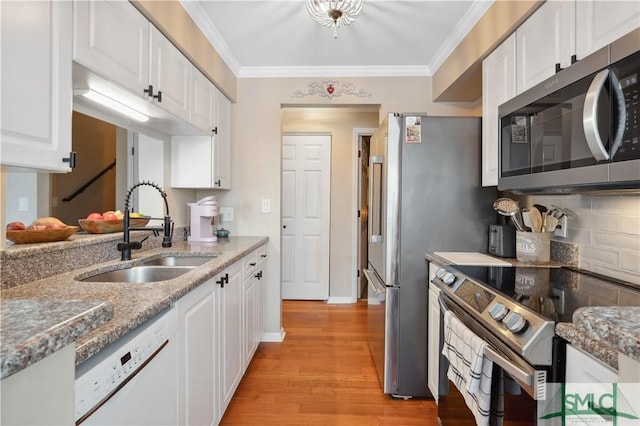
{"x":551,"y":224}
{"x":536,"y":219}
{"x":510,"y":208}
{"x":526,"y":220}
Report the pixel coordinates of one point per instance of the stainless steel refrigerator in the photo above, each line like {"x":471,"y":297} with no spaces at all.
{"x":425,"y":195}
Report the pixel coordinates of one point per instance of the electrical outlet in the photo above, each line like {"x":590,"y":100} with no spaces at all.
{"x":561,"y":229}
{"x":226,"y":214}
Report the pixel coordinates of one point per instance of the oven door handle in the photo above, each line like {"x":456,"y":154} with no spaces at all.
{"x":517,"y":372}
{"x":513,"y":370}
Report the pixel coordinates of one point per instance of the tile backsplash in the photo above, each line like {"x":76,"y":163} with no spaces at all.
{"x":607,"y":230}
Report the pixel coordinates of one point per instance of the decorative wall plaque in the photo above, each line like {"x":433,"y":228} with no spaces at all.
{"x":330,"y":89}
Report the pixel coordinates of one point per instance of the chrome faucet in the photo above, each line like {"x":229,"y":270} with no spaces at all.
{"x":126,"y":246}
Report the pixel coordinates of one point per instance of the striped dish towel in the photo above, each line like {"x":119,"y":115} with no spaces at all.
{"x":469,"y":370}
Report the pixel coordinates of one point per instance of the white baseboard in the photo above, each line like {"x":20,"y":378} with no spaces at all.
{"x":274,"y":337}
{"x":340,"y":300}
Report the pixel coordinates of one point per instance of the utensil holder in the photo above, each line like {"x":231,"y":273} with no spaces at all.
{"x":533,"y":247}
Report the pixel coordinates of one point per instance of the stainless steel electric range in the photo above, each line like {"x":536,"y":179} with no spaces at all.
{"x":515,"y":309}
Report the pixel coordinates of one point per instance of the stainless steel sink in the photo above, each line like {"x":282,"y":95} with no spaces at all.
{"x":180,"y":260}
{"x":140,"y":274}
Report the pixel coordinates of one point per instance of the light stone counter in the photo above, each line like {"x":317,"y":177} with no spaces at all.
{"x":132,"y":304}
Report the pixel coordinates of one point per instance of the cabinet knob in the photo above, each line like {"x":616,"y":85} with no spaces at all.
{"x":218,"y":183}
{"x":263,"y":255}
{"x":149,"y":91}
{"x":71,"y":159}
{"x":558,"y":67}
{"x":158,"y":96}
{"x":215,"y":130}
{"x":220,"y":282}
{"x":252,"y":264}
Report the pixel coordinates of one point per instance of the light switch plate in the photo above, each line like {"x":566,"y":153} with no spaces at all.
{"x":266,"y":205}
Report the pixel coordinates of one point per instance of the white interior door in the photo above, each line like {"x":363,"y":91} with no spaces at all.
{"x":306,"y":163}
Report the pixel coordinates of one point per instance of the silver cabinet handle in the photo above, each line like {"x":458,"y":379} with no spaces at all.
{"x":590,"y":116}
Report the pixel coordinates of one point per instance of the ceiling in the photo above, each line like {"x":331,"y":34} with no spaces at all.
{"x":278,"y":38}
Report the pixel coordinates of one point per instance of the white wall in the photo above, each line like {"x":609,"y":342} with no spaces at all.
{"x":256,"y":143}
{"x":607,"y":229}
{"x":21,"y":185}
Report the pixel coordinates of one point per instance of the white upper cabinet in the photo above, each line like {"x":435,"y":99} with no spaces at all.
{"x":498,"y":85}
{"x":170,"y":76}
{"x":545,"y":42}
{"x":205,"y":161}
{"x":35,"y":125}
{"x":111,"y":38}
{"x":222,"y":143}
{"x":598,"y":23}
{"x":203,"y":102}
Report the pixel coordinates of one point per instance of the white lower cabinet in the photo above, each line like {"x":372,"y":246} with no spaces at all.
{"x":197,"y":389}
{"x":254,"y":291}
{"x":229,"y":317}
{"x":583,"y":368}
{"x":220,"y":326}
{"x":433,"y":353}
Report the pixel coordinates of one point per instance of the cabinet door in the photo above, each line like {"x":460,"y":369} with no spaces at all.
{"x":196,"y":362}
{"x":191,"y":162}
{"x":250,"y":318}
{"x":203,"y":102}
{"x":498,"y":85}
{"x":170,"y":76}
{"x":222,"y":143}
{"x":545,"y":39}
{"x":601,"y":22}
{"x":229,"y":318}
{"x":35,"y":124}
{"x":111,"y":39}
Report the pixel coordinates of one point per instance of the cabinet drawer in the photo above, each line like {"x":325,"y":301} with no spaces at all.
{"x":261,"y":253}
{"x":250,"y":264}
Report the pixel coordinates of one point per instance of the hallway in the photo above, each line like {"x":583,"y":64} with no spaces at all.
{"x":322,"y":374}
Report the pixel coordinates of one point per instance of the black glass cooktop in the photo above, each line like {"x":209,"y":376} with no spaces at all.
{"x":555,"y":293}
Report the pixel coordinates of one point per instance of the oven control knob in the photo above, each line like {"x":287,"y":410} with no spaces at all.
{"x":441,"y":272}
{"x":448,"y":278}
{"x":515,"y":322}
{"x":498,"y":311}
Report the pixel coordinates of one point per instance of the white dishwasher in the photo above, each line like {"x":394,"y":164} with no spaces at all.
{"x":133,"y":381}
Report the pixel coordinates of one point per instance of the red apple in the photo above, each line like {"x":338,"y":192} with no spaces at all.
{"x":95,"y":216}
{"x":15,"y":226}
{"x":109,"y":216}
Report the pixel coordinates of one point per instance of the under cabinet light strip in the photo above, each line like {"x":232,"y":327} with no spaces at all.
{"x":111,"y":104}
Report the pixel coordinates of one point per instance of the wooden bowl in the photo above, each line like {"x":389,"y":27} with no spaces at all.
{"x":109,"y":226}
{"x":41,"y":235}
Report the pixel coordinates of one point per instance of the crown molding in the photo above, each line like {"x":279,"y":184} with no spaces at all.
{"x":468,"y":21}
{"x":200,"y":17}
{"x":352,"y":71}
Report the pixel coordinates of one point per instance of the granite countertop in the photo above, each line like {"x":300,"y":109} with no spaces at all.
{"x":34,"y":329}
{"x":131,"y":304}
{"x":604,"y":332}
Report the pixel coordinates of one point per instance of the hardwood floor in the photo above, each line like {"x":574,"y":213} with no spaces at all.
{"x":322,"y":374}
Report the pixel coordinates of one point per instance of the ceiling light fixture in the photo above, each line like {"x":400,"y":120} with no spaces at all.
{"x":332,"y":13}
{"x":110,"y":103}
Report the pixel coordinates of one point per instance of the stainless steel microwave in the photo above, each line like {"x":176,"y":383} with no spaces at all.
{"x":577,"y":130}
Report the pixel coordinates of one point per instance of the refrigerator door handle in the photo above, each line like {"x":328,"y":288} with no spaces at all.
{"x":375,"y":198}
